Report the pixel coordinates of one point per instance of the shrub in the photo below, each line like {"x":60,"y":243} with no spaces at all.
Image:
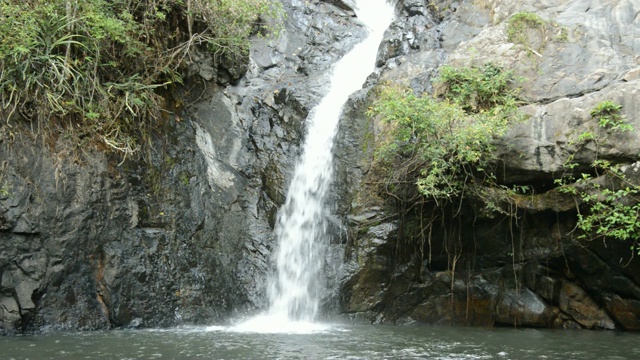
{"x":97,"y":65}
{"x":610,"y":200}
{"x":533,"y":32}
{"x":608,"y":114}
{"x":445,"y":144}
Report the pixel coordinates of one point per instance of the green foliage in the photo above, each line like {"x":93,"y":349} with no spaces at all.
{"x":614,"y":210}
{"x":608,"y":115}
{"x":185,"y":178}
{"x":518,"y":25}
{"x":96,"y":66}
{"x":444,"y":145}
{"x":4,"y":190}
{"x":563,"y":34}
{"x":533,"y":32}
{"x":611,"y":200}
{"x":586,"y":136}
{"x":475,"y":89}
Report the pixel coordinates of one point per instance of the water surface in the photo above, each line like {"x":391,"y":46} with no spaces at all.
{"x":336,"y":342}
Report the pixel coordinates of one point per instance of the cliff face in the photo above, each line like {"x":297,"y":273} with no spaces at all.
{"x":485,"y":269}
{"x":183,"y":234}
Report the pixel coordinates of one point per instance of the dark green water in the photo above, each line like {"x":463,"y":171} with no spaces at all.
{"x":340,"y":342}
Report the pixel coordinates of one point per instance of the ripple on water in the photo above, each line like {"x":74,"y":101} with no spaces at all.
{"x":339,"y":341}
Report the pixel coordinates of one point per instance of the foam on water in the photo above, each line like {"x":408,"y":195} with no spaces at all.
{"x":267,"y":324}
{"x":271,"y":324}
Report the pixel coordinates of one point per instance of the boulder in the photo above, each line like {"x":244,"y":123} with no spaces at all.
{"x":625,"y":312}
{"x":574,"y":301}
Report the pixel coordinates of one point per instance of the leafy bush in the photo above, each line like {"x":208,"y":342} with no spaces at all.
{"x":97,"y":64}
{"x":611,"y":201}
{"x":444,"y":145}
{"x":608,"y":114}
{"x":478,"y":89}
{"x":614,"y":210}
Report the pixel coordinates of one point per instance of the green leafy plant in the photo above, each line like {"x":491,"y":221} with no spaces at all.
{"x":608,"y":114}
{"x":478,"y":89}
{"x":94,"y":70}
{"x":519,"y":23}
{"x":563,"y":34}
{"x":445,"y":144}
{"x":4,"y":190}
{"x":610,"y":200}
{"x":613,"y":208}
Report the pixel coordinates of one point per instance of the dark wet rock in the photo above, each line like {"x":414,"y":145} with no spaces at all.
{"x":624,"y":311}
{"x":523,"y":308}
{"x":410,"y":32}
{"x":10,"y":312}
{"x":184,"y":234}
{"x":232,"y":68}
{"x":576,"y":302}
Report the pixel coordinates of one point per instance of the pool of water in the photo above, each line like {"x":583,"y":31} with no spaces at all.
{"x":332,"y":342}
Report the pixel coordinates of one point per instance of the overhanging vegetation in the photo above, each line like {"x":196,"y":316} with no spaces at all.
{"x":92,"y":69}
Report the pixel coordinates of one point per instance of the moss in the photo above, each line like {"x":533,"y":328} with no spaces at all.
{"x":4,"y":190}
{"x":533,"y":32}
{"x":185,"y":178}
{"x":563,"y":34}
{"x":520,"y":23}
{"x":169,"y":161}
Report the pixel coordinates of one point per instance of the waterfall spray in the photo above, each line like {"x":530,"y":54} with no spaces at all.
{"x":301,"y":230}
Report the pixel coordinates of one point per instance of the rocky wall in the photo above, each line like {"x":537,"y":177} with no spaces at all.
{"x":484,"y":269}
{"x":181,"y":234}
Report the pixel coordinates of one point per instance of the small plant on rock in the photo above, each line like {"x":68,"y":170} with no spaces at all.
{"x":608,"y":114}
{"x":610,"y":199}
{"x":520,"y":23}
{"x":533,"y":32}
{"x":4,"y":190}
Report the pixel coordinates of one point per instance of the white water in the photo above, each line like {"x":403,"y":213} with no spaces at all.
{"x":301,"y":230}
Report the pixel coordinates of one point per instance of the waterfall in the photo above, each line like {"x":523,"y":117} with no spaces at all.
{"x":295,"y":291}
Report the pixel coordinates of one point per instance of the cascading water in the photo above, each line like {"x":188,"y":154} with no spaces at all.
{"x":301,"y":230}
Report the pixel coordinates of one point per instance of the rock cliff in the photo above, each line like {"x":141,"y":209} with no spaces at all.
{"x":526,"y":269}
{"x":183,"y":233}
